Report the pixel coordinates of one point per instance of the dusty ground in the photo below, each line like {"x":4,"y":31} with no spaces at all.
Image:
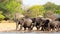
{"x":5,"y":26}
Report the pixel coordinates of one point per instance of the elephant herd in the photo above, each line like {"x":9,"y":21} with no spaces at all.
{"x":46,"y":24}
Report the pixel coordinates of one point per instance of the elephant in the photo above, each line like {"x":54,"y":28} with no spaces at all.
{"x":45,"y":24}
{"x":58,"y":19}
{"x":38,"y":22}
{"x":50,"y":24}
{"x":19,"y":22}
{"x":24,"y":22}
{"x":54,"y":25}
{"x":27,"y":23}
{"x":18,"y":18}
{"x":33,"y":21}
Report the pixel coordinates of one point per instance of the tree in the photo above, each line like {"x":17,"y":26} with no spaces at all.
{"x":53,"y":7}
{"x":50,"y":6}
{"x":1,"y":16}
{"x":10,"y":7}
{"x":57,"y":11}
{"x":35,"y":11}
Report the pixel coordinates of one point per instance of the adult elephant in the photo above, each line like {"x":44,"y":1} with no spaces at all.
{"x":46,"y":24}
{"x":33,"y":21}
{"x":27,"y":23}
{"x":54,"y":25}
{"x":38,"y":22}
{"x":58,"y":19}
{"x":24,"y":22}
{"x":49,"y":24}
{"x":19,"y":22}
{"x":18,"y":18}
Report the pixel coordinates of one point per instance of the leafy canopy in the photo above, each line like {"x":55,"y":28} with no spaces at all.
{"x":36,"y":10}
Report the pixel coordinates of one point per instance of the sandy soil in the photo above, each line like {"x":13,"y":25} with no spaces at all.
{"x":5,"y":26}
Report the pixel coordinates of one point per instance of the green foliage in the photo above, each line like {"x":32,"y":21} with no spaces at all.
{"x":35,"y":11}
{"x":10,"y":7}
{"x":50,"y":6}
{"x":53,"y":7}
{"x":1,"y":16}
{"x":57,"y":11}
{"x":13,"y":6}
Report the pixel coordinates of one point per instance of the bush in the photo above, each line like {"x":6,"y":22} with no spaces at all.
{"x":1,"y":17}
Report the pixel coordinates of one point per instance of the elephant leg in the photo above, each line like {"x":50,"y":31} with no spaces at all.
{"x":17,"y":25}
{"x":58,"y":27}
{"x":32,"y":26}
{"x":24,"y":28}
{"x":49,"y":27}
{"x":54,"y":28}
{"x":42,"y":29}
{"x":29,"y":28}
{"x":20,"y":27}
{"x":38,"y":27}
